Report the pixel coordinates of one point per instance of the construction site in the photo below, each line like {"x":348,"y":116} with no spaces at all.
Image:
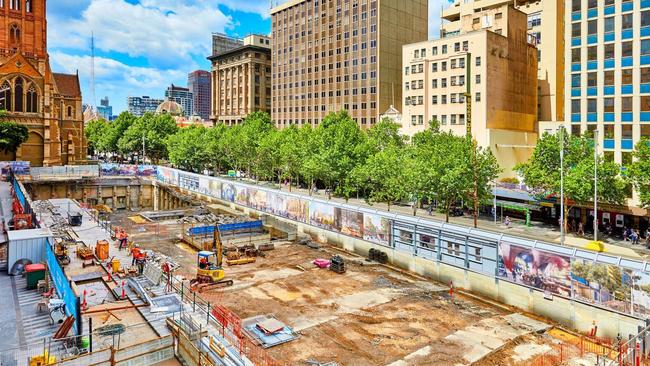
{"x":209,"y":282}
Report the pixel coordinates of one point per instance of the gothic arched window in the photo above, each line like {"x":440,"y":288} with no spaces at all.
{"x":18,"y":94}
{"x":28,"y":6}
{"x":14,"y":4}
{"x":69,"y":111}
{"x":32,"y":100}
{"x":5,"y":96}
{"x":14,"y":34}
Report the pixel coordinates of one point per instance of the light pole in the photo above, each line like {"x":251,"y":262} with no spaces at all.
{"x":143,"y":149}
{"x":595,"y":185}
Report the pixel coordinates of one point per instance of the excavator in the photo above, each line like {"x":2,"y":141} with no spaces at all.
{"x":210,"y":273}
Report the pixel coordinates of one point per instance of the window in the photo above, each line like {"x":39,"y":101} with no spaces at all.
{"x":608,"y":105}
{"x":645,"y":18}
{"x":609,"y":131}
{"x":28,"y":6}
{"x":592,"y":79}
{"x":609,"y":25}
{"x":626,"y":104}
{"x":14,"y":4}
{"x":575,"y":30}
{"x":478,"y":97}
{"x":478,"y":79}
{"x":434,"y":99}
{"x":478,"y":61}
{"x":575,"y":106}
{"x":626,"y":76}
{"x":626,"y":49}
{"x":434,"y":51}
{"x":32,"y":100}
{"x":575,"y":80}
{"x":592,"y":4}
{"x":434,"y":83}
{"x":576,"y":4}
{"x":575,"y":55}
{"x":609,"y":78}
{"x":534,"y":20}
{"x":592,"y":106}
{"x":645,"y":75}
{"x":18,"y":94}
{"x":627,"y":20}
{"x":626,"y":132}
{"x":645,"y":103}
{"x":69,"y":111}
{"x":592,"y":27}
{"x":645,"y":47}
{"x":444,"y":49}
{"x":5,"y":96}
{"x":434,"y":67}
{"x":14,"y":34}
{"x":592,"y":53}
{"x":609,"y":51}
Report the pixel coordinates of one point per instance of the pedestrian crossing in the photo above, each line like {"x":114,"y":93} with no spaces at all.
{"x":35,"y":325}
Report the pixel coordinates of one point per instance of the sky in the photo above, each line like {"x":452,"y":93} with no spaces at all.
{"x":142,"y":46}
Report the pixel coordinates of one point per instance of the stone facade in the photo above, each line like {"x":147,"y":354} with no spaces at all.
{"x":48,"y":103}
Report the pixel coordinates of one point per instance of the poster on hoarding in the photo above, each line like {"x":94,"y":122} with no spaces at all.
{"x":21,"y":167}
{"x":602,"y":284}
{"x":146,"y":170}
{"x":258,"y":199}
{"x":167,"y":175}
{"x":535,"y":268}
{"x":228,"y":192}
{"x":350,"y":222}
{"x":323,"y":216}
{"x":641,"y":293}
{"x":296,"y":209}
{"x":277,"y":204}
{"x":214,"y":188}
{"x":241,"y":195}
{"x":376,"y":229}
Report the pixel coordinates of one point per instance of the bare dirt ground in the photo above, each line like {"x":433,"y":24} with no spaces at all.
{"x":370,"y":315}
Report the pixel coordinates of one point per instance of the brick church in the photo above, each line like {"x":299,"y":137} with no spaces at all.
{"x":48,"y":103}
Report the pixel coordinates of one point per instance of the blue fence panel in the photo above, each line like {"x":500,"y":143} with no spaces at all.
{"x":19,"y":194}
{"x":241,"y":225}
{"x":63,"y":288}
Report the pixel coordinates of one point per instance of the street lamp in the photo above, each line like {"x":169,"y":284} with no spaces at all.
{"x":562,"y":225}
{"x":595,"y":185}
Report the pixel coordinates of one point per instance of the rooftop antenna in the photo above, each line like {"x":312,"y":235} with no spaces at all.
{"x":93,"y":100}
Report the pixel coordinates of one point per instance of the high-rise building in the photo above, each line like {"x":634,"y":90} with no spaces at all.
{"x":198,"y":82}
{"x":333,"y":55}
{"x":182,"y":96}
{"x":609,"y":71}
{"x":223,"y":43}
{"x":104,"y":109}
{"x":546,"y":27}
{"x":241,"y":81}
{"x":491,"y":53}
{"x":48,"y":104}
{"x":141,"y":105}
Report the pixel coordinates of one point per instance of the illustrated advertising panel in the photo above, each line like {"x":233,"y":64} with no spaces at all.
{"x":351,"y":223}
{"x":241,"y":195}
{"x":228,"y":192}
{"x":296,"y":209}
{"x":535,"y":268}
{"x":641,"y":293}
{"x":277,"y":205}
{"x":323,"y":216}
{"x":167,"y":175}
{"x":376,"y":229}
{"x":258,"y":199}
{"x":602,"y":284}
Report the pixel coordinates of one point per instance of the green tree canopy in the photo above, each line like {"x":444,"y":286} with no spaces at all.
{"x":640,"y":171}
{"x":108,"y":142}
{"x":187,"y":148}
{"x":12,"y":135}
{"x":154,"y":129}
{"x":95,"y":131}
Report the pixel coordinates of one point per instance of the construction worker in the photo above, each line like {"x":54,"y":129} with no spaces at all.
{"x":135,"y":253}
{"x":140,"y":260}
{"x":122,"y":238}
{"x":203,"y":263}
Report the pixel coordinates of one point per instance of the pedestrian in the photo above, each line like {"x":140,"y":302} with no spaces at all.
{"x":581,"y":229}
{"x":430,"y":209}
{"x":635,"y":237}
{"x":647,"y":238}
{"x":506,"y":222}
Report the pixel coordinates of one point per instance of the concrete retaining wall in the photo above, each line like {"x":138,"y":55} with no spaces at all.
{"x":567,"y":312}
{"x":143,"y":354}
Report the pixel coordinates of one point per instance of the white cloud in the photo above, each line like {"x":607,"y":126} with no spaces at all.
{"x":166,"y":33}
{"x":115,"y":78}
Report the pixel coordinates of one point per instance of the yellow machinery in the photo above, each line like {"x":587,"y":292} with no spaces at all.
{"x":209,"y":272}
{"x":61,"y":252}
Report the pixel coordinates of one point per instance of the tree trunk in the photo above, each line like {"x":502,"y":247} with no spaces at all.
{"x":388,"y":203}
{"x":447,"y":212}
{"x":290,"y":183}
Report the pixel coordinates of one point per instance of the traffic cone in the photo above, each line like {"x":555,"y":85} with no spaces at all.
{"x":123,"y":292}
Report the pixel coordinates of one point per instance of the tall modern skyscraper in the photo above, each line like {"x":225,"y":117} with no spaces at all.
{"x":198,"y":82}
{"x":343,"y":54}
{"x":104,"y":109}
{"x":182,"y":96}
{"x":609,"y":73}
{"x":141,"y":105}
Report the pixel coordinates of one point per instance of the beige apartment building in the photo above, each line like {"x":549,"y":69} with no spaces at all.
{"x":546,"y":26}
{"x":493,"y":53}
{"x":330,"y":55}
{"x":241,"y":80}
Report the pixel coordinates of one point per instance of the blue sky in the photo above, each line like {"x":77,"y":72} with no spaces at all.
{"x":142,"y":46}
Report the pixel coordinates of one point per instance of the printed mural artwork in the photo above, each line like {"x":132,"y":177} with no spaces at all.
{"x":323,"y":216}
{"x":535,"y":268}
{"x":228,"y":192}
{"x":167,"y":175}
{"x":296,"y":209}
{"x":641,"y":293}
{"x":277,"y":205}
{"x":258,"y":199}
{"x":241,"y":195}
{"x":18,"y":167}
{"x":376,"y":229}
{"x":602,"y":284}
{"x":351,"y":223}
{"x":128,"y":170}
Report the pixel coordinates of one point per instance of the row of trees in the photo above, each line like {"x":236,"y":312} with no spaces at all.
{"x":378,"y":164}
